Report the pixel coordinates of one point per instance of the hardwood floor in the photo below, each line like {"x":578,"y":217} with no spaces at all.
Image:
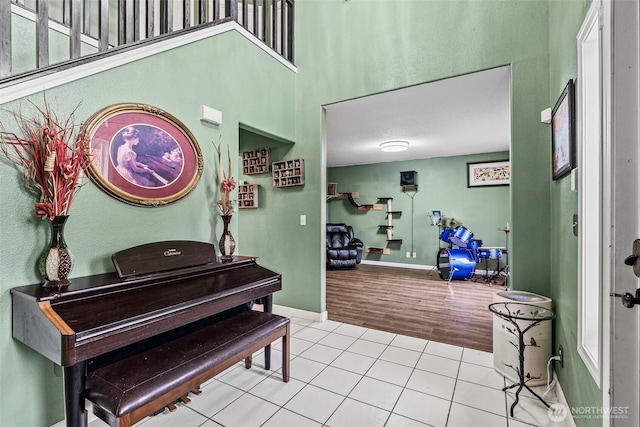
{"x":413,"y":302}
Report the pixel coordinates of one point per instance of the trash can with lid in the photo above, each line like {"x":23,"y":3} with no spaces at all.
{"x":538,"y":340}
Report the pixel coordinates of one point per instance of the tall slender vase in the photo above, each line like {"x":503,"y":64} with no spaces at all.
{"x":227,"y":242}
{"x":56,"y":262}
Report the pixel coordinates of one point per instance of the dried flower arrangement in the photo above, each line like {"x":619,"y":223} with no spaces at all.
{"x":227,"y":183}
{"x":52,"y":155}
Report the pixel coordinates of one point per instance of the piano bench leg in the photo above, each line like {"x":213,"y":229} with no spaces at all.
{"x":285,"y":355}
{"x":248,"y":361}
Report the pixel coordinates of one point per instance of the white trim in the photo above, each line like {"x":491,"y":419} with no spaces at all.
{"x":399,"y":265}
{"x":303,"y":314}
{"x":592,"y":146}
{"x":23,"y":89}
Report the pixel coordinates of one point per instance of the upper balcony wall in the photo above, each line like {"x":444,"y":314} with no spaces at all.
{"x":42,"y":36}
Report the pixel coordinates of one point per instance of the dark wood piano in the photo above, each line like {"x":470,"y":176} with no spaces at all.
{"x":100,"y":314}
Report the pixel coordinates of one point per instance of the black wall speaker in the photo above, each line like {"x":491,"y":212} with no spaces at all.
{"x":408,"y":178}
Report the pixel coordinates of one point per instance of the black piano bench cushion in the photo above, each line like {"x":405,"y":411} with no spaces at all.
{"x":132,"y":388}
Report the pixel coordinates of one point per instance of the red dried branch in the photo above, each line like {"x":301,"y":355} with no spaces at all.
{"x":52,"y":155}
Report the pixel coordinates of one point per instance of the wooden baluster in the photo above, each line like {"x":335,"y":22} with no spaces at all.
{"x":42,"y":33}
{"x":5,"y":38}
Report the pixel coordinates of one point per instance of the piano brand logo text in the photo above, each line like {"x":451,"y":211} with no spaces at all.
{"x":172,"y":252}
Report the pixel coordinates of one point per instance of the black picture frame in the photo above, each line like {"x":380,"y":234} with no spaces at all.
{"x":563,"y":139}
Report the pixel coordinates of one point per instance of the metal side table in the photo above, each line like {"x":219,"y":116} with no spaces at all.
{"x":523,"y":317}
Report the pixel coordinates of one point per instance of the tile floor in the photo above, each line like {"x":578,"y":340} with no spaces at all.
{"x":348,"y":376}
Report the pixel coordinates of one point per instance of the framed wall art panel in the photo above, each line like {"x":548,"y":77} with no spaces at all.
{"x":142,"y":155}
{"x":563,"y":141}
{"x":488,"y":173}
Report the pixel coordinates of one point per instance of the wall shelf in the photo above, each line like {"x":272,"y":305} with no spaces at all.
{"x":255,"y":161}
{"x":247,"y":196}
{"x":375,"y":250}
{"x":288,"y":173}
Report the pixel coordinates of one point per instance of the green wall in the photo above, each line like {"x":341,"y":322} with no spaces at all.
{"x":577,"y":383}
{"x":442,"y":185}
{"x":226,"y":72}
{"x":344,"y":50}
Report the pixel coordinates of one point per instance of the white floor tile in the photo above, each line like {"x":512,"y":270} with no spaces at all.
{"x":304,"y":369}
{"x":423,"y":407}
{"x":480,"y":397}
{"x":367,"y":348}
{"x":315,"y":403}
{"x":357,"y":414}
{"x":396,"y":420}
{"x":276,"y":391}
{"x":184,"y":416}
{"x":439,"y":365}
{"x":444,"y":350}
{"x":310,"y":334}
{"x":300,"y":321}
{"x":336,"y":380}
{"x":350,"y":330}
{"x":353,"y":362}
{"x":433,"y":384}
{"x":215,"y":396}
{"x":321,"y":353}
{"x":336,"y":340}
{"x":286,"y":418}
{"x":401,"y":356}
{"x":247,"y":411}
{"x":378,"y":336}
{"x":377,"y":393}
{"x":295,"y":328}
{"x":243,"y":378}
{"x":297,"y":346}
{"x":327,"y":325}
{"x":480,"y":375}
{"x":390,"y":372}
{"x":410,"y":343}
{"x":465,"y":416}
{"x":477,"y":357}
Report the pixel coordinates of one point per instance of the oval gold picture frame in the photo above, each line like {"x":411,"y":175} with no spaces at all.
{"x":142,"y":155}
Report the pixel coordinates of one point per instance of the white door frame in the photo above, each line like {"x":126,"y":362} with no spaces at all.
{"x":621,"y":48}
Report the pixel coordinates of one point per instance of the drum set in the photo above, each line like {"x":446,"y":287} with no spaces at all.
{"x":460,"y":263}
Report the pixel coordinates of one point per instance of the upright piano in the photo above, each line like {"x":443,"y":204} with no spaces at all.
{"x":103,"y":313}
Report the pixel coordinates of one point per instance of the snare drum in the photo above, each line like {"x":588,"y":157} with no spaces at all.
{"x":455,"y":264}
{"x":461,"y":236}
{"x":489,"y":253}
{"x":446,"y":234}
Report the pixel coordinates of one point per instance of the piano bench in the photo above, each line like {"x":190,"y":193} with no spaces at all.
{"x":130,"y":389}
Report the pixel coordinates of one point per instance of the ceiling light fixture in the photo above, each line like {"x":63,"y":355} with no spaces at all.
{"x":393,"y":146}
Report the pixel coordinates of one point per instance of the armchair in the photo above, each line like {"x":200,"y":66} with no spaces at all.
{"x":344,"y":251}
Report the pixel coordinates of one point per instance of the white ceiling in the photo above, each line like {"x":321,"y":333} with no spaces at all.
{"x":468,"y":114}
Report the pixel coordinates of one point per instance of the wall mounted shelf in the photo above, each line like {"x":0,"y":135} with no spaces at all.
{"x":288,"y":173}
{"x":247,"y":196}
{"x":255,"y":161}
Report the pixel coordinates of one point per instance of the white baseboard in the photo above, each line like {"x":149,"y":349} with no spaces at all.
{"x":303,"y":314}
{"x":399,"y":265}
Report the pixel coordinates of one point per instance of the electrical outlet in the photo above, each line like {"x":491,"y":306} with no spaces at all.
{"x":413,"y":255}
{"x":561,"y":355}
{"x":408,"y":254}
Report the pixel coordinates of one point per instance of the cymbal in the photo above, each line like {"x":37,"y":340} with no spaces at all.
{"x":451,"y":220}
{"x":507,"y":229}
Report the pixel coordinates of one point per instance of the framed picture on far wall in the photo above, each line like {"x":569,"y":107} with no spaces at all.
{"x":484,"y":174}
{"x":563,"y":139}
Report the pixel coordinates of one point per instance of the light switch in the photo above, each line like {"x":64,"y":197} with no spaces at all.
{"x":303,"y":220}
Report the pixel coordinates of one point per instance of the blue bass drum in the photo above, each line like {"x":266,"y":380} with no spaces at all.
{"x":456,"y":264}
